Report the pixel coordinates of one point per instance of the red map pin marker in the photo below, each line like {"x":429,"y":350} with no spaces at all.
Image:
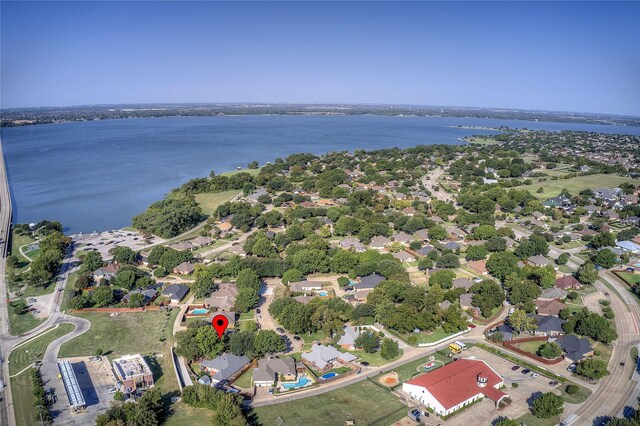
{"x":220,"y":323}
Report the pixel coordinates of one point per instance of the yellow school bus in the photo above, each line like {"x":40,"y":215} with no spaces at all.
{"x":455,"y":348}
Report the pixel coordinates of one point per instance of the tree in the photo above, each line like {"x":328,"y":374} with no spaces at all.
{"x":494,"y":244}
{"x":126,"y":278}
{"x":520,"y":322}
{"x":453,"y":320}
{"x":506,"y":422}
{"x":246,"y":299}
{"x":241,"y":343}
{"x":268,"y":342}
{"x":548,"y":405}
{"x":603,"y":239}
{"x":476,"y":252}
{"x":606,"y":258}
{"x":437,"y":233}
{"x":448,"y":260}
{"x":443,"y":278}
{"x":124,"y":255}
{"x":550,"y":350}
{"x":248,"y":278}
{"x":425,"y":263}
{"x":587,"y":273}
{"x":487,"y":296}
{"x":592,"y":368}
{"x":368,"y":341}
{"x":343,"y":281}
{"x":562,"y":259}
{"x":291,"y":275}
{"x":102,"y":296}
{"x":92,"y":261}
{"x":389,"y":348}
{"x":534,"y":245}
{"x":501,"y":264}
{"x":136,"y":300}
{"x":524,"y":291}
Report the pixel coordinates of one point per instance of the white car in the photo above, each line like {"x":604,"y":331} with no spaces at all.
{"x":534,"y":375}
{"x":113,"y":390}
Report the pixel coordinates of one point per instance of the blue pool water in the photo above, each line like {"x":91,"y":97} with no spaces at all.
{"x":200,"y":311}
{"x":302,"y":381}
{"x":322,"y":293}
{"x":329,"y":375}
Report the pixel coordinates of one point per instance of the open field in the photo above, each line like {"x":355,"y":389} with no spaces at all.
{"x":364,"y":402}
{"x":482,"y":141}
{"x":34,"y":349}
{"x":210,"y":201}
{"x":22,"y":393}
{"x":551,"y":188}
{"x":185,"y":415}
{"x":140,"y":332}
{"x":375,"y":359}
{"x":22,"y":323}
{"x":630,"y":277}
{"x":252,"y":172}
{"x":16,"y":242}
{"x":438,"y":334}
{"x":531,"y":420}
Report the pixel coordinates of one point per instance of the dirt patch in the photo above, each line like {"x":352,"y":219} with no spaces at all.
{"x":390,"y":379}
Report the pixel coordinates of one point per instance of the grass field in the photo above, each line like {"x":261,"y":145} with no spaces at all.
{"x":482,"y":141}
{"x":210,"y":201}
{"x":16,"y":242}
{"x":630,"y":277}
{"x":252,"y":172}
{"x":244,"y":381}
{"x":143,"y":332}
{"x":34,"y":349}
{"x":364,"y":402}
{"x":551,"y":188}
{"x":531,"y":347}
{"x":375,"y":359}
{"x":22,"y":323}
{"x":22,"y":394}
{"x":531,"y":420}
{"x":185,"y":415}
{"x":438,"y":334}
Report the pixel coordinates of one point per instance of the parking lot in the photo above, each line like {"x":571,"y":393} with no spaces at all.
{"x":485,"y":411}
{"x":95,"y":380}
{"x":105,"y":241}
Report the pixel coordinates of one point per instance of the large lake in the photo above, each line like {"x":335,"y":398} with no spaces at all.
{"x":97,"y":175}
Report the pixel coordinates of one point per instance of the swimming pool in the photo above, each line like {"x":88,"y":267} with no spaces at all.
{"x":200,"y":311}
{"x":302,"y":381}
{"x":329,"y":375}
{"x":322,"y":293}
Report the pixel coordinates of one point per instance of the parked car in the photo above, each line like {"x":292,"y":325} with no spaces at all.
{"x":113,"y":390}
{"x":280,"y":330}
{"x":297,"y":338}
{"x":526,"y":371}
{"x":534,"y":375}
{"x":364,"y":363}
{"x":472,"y":325}
{"x":515,"y":368}
{"x":572,"y":367}
{"x":553,"y":383}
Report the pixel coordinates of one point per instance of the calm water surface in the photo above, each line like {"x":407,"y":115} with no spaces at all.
{"x":97,"y":175}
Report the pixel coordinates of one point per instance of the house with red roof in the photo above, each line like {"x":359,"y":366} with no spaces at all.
{"x":456,"y":385}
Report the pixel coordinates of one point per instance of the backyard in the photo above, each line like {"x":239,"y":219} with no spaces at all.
{"x":629,"y":277}
{"x":364,"y":402}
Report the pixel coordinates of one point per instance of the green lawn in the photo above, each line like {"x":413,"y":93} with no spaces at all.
{"x":246,"y":325}
{"x":140,"y":332}
{"x":185,"y":415}
{"x":578,"y":398}
{"x":438,"y":334}
{"x":252,"y":172}
{"x":34,"y":349}
{"x":482,"y":141}
{"x":531,"y":420}
{"x":407,"y":371}
{"x":16,"y":242}
{"x":363,"y":402}
{"x":630,"y":277}
{"x":374,"y":359}
{"x":22,"y":323}
{"x":22,"y":394}
{"x":210,"y":201}
{"x":531,"y":347}
{"x":551,"y":188}
{"x":244,"y":381}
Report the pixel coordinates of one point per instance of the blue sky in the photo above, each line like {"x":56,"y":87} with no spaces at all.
{"x":573,"y":56}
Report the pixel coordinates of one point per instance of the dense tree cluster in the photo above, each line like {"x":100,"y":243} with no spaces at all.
{"x":176,"y":214}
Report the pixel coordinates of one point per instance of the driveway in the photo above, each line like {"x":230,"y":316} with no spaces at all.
{"x":266,"y":321}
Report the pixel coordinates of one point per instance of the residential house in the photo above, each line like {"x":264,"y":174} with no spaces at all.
{"x":225,"y":228}
{"x":324,"y":357}
{"x":479,"y":266}
{"x":273,"y":369}
{"x":182,"y":246}
{"x":539,"y":260}
{"x":466,"y":301}
{"x":450,"y":388}
{"x":175,"y":292}
{"x":402,"y":237}
{"x":149,"y":295}
{"x":404,"y":256}
{"x":237,"y":250}
{"x":548,"y":325}
{"x":224,"y":367}
{"x":201,"y":241}
{"x":463,"y":282}
{"x":423,"y":234}
{"x":553,"y":293}
{"x":305,"y":286}
{"x":452,"y":245}
{"x":549,"y":307}
{"x":105,"y":272}
{"x":143,"y":257}
{"x":575,"y":348}
{"x":352,"y":243}
{"x":409,"y":211}
{"x":379,"y":242}
{"x":185,"y":268}
{"x":567,"y":282}
{"x":629,"y":246}
{"x":425,"y":250}
{"x":223,"y":298}
{"x":348,"y":339}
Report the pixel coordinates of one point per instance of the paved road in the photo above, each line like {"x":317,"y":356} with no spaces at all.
{"x":434,"y":177}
